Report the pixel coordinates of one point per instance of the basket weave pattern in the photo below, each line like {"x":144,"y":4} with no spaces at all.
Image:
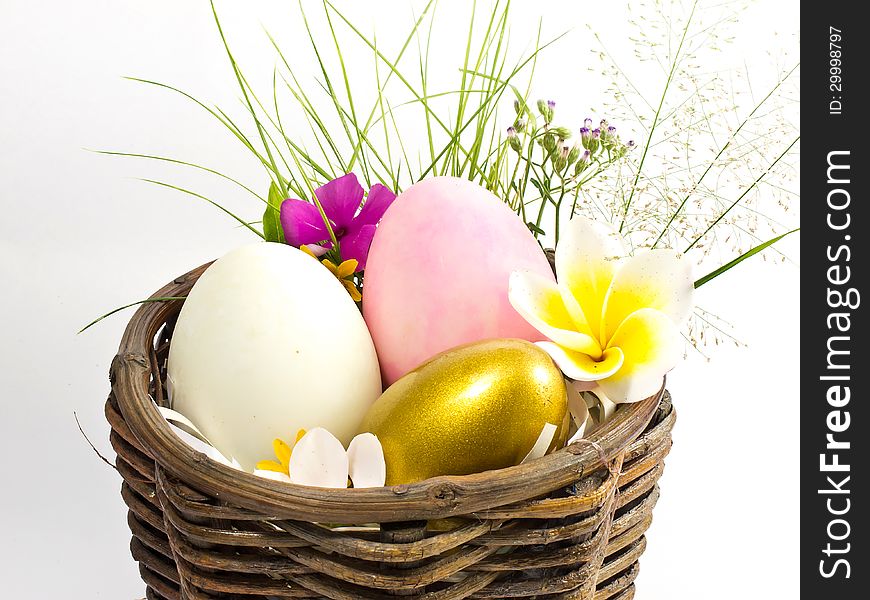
{"x":568,"y":526}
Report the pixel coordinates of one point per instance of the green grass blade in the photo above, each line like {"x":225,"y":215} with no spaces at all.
{"x":278,"y":152}
{"x":392,"y":66}
{"x":398,"y":187}
{"x":435,"y":96}
{"x":217,"y":115}
{"x":292,"y":146}
{"x":488,"y":118}
{"x":321,"y":131}
{"x":491,"y":100}
{"x":348,"y":92}
{"x":131,"y":305}
{"x":368,"y":144}
{"x":749,"y":253}
{"x":238,"y":74}
{"x":240,"y":220}
{"x":424,"y":81}
{"x":460,"y":112}
{"x":272,"y":229}
{"x":327,"y":81}
{"x":389,"y":75}
{"x":184,"y":163}
{"x":383,"y":118}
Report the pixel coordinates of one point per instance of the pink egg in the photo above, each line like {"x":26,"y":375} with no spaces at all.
{"x":438,"y":270}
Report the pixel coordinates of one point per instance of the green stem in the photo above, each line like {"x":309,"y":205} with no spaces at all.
{"x":544,"y":176}
{"x":559,"y":211}
{"x":132,"y":304}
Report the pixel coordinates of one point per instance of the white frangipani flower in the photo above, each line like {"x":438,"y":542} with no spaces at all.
{"x":612,"y":319}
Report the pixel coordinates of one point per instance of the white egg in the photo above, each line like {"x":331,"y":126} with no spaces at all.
{"x":269,"y":342}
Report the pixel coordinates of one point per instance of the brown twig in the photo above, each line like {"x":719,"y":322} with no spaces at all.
{"x":94,"y":448}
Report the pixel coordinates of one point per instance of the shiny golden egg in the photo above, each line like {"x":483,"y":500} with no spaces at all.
{"x":469,"y":409}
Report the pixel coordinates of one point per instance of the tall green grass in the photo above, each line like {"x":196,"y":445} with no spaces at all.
{"x":335,"y":128}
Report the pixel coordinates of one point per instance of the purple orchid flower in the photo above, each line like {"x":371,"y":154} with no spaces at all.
{"x":340,"y":199}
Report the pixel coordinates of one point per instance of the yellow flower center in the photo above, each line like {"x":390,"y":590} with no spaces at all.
{"x":282,"y":452}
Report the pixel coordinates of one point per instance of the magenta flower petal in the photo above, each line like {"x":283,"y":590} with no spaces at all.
{"x":356,"y":245}
{"x":340,"y":199}
{"x":302,"y":223}
{"x":379,"y":200}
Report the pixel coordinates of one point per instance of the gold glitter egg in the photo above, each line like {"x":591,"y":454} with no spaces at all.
{"x":469,"y":409}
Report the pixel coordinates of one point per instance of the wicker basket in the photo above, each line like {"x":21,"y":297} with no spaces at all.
{"x":569,"y":525}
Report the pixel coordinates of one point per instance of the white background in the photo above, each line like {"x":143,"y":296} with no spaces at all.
{"x":79,"y":235}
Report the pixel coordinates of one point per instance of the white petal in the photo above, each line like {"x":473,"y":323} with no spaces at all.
{"x":201,"y":446}
{"x":659,"y":279}
{"x":192,"y":441}
{"x":652,"y":346}
{"x":628,"y":390}
{"x":578,"y":409}
{"x":170,"y":387}
{"x":539,"y":448}
{"x":539,"y":301}
{"x":366,"y":465}
{"x":580,"y":366}
{"x":317,"y":250}
{"x":319,"y":460}
{"x":596,"y":416}
{"x":608,"y":406}
{"x":583,"y":386}
{"x":173,"y":416}
{"x":273,"y":475}
{"x":577,"y":406}
{"x":578,"y":435}
{"x":587,"y":257}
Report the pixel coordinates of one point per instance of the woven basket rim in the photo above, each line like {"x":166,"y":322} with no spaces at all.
{"x":434,"y":498}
